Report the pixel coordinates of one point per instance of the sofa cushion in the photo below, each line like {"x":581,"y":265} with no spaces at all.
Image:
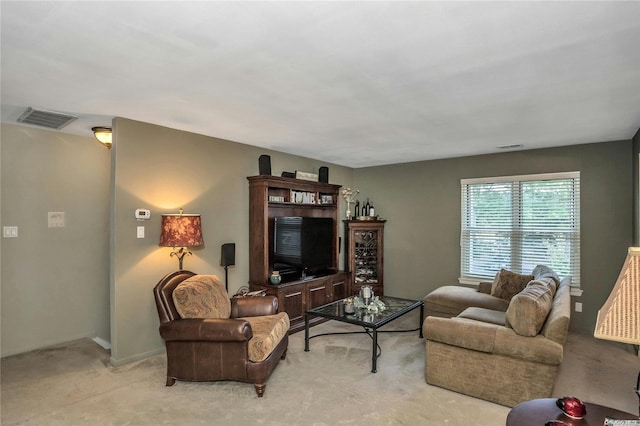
{"x":528,"y":309}
{"x":556,"y":327}
{"x":547,"y":283}
{"x":461,"y":332}
{"x":485,"y":315}
{"x":267,"y":331}
{"x":202,"y":296}
{"x":450,"y":300}
{"x":507,"y":284}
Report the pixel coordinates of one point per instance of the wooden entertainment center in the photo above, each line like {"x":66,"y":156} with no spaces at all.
{"x":271,"y":197}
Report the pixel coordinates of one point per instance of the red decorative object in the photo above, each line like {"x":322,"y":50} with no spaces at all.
{"x":572,"y":407}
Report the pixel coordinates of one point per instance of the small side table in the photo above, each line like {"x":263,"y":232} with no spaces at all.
{"x":539,"y":411}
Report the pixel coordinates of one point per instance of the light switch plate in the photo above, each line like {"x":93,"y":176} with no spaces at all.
{"x":10,"y":231}
{"x":55,"y":219}
{"x":140,"y":232}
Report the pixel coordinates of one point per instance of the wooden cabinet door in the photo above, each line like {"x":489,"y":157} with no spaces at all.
{"x":292,"y":302}
{"x":339,"y":287}
{"x":318,"y":293}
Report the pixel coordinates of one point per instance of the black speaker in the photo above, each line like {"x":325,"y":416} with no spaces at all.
{"x":228,"y":256}
{"x":264,"y":164}
{"x":323,"y":174}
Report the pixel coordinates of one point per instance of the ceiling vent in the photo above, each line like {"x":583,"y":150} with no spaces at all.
{"x":48,"y":119}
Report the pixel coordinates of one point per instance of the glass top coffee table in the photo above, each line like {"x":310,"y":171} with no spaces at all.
{"x":370,"y":322}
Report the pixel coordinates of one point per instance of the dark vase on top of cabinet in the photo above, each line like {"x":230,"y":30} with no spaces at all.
{"x":364,"y":259}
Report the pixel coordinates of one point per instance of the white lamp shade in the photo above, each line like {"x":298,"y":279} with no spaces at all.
{"x":619,"y":317}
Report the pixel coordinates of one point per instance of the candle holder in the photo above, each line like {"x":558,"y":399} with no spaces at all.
{"x":349,"y":305}
{"x":366,"y":294}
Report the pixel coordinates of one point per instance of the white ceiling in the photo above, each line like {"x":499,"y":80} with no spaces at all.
{"x":352,"y":83}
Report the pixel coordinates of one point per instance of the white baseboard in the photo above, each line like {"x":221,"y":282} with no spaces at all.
{"x":137,"y":357}
{"x":106,"y":345}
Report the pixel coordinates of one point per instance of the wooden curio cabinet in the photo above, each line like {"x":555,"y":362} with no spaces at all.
{"x":364,"y":254}
{"x":274,"y":196}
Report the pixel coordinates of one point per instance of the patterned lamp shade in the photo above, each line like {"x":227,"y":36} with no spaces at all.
{"x":619,"y":317}
{"x":181,"y":231}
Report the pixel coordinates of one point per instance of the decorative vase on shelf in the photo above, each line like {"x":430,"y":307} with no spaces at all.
{"x":349,"y":196}
{"x":275,"y":277}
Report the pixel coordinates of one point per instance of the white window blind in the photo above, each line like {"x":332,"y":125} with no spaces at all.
{"x":518,"y":222}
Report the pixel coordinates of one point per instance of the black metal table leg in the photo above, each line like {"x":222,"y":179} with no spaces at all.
{"x":306,"y":333}
{"x":374,"y":356}
{"x":421,"y":319}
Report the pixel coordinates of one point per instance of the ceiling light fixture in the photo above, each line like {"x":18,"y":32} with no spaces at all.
{"x":103,"y":135}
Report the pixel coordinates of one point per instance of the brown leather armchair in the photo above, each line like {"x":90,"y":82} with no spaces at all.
{"x":205,"y":349}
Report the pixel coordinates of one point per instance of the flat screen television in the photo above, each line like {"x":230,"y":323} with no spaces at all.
{"x":302,"y":246}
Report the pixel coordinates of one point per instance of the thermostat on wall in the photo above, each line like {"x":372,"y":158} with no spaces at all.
{"x":143,"y":214}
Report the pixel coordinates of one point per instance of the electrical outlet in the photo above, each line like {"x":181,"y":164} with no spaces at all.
{"x":578,"y":306}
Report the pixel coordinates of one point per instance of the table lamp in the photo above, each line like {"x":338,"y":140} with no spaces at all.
{"x":181,"y":231}
{"x":619,"y":317}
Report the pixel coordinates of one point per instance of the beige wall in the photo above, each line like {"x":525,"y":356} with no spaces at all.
{"x":422,"y":204}
{"x":163,"y":170}
{"x":55,"y":283}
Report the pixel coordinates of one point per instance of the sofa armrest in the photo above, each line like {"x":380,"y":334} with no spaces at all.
{"x":253,"y":306}
{"x":537,"y":349}
{"x":206,"y":329}
{"x":484,"y":287}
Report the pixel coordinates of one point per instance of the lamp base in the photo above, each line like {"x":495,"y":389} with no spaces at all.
{"x":180,"y":253}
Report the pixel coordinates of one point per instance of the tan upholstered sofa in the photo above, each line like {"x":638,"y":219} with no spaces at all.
{"x":502,"y":349}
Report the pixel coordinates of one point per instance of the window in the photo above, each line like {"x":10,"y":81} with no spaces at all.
{"x":518,"y":222}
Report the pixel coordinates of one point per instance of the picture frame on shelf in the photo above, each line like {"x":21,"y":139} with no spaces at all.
{"x":326,"y":199}
{"x":313,"y":177}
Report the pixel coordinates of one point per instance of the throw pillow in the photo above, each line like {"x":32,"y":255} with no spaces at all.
{"x":202,"y":296}
{"x":543,"y":271}
{"x":507,"y":284}
{"x":528,"y":309}
{"x":548,"y":282}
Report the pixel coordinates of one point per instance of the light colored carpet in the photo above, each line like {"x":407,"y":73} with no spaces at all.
{"x":72,"y":384}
